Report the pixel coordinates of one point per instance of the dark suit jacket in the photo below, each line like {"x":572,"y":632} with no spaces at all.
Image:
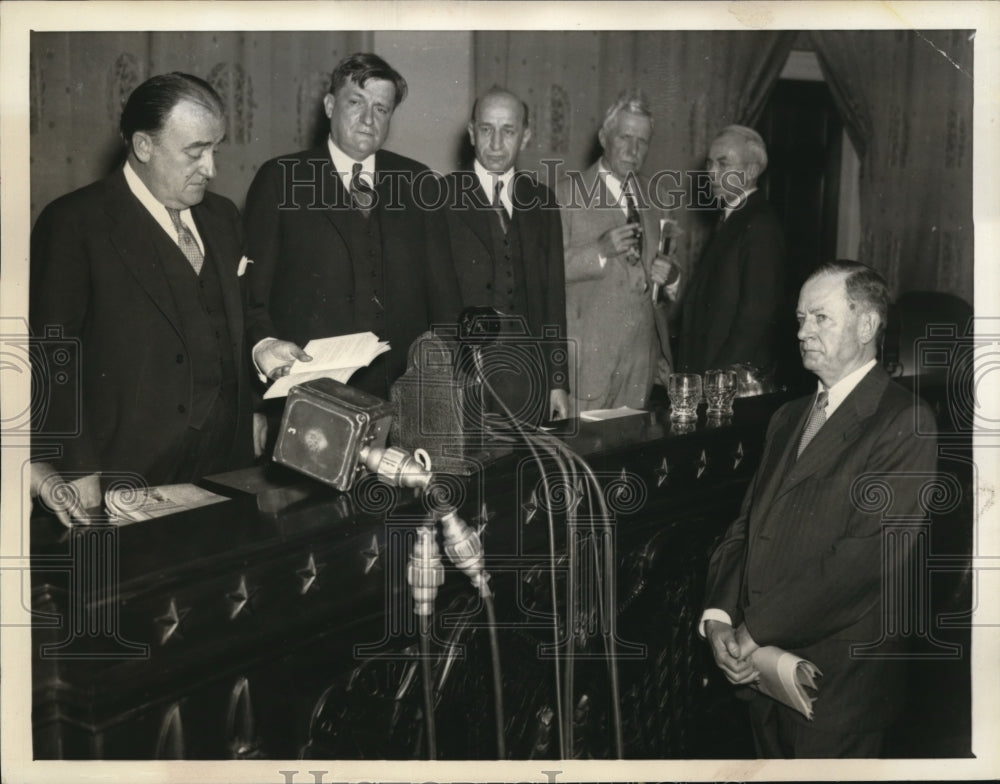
{"x":802,"y":564}
{"x":536,"y":219}
{"x":730,"y":307}
{"x":301,"y":282}
{"x":97,"y":275}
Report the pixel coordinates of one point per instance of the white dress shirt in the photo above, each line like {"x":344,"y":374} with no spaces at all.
{"x":487,"y":181}
{"x":344,"y":164}
{"x":158,"y":210}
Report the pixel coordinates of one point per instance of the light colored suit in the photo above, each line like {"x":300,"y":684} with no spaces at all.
{"x":620,"y":336}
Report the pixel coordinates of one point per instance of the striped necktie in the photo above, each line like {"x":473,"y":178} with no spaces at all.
{"x":361,"y":192}
{"x":186,"y":241}
{"x":816,"y":419}
{"x":499,"y":207}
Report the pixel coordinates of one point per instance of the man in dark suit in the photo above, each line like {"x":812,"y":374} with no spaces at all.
{"x":802,"y":567}
{"x":506,"y":242}
{"x":141,"y":269}
{"x":340,"y":238}
{"x":729,"y":309}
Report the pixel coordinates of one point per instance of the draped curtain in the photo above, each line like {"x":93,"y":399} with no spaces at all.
{"x":697,"y":82}
{"x":272,"y":84}
{"x":905,"y":97}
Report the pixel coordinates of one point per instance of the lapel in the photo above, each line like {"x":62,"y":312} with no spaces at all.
{"x":649,"y":219}
{"x":222,"y":251}
{"x":475,"y":211}
{"x":783,"y":442}
{"x":135,"y":234}
{"x":328,"y":182}
{"x":839,"y":431}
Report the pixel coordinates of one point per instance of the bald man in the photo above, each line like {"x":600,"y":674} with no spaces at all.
{"x":730,"y":307}
{"x":506,"y":242}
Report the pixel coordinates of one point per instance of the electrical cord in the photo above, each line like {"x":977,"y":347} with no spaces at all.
{"x":491,"y":617}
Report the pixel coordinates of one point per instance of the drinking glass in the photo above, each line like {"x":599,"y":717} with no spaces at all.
{"x":720,"y":389}
{"x":684,"y":390}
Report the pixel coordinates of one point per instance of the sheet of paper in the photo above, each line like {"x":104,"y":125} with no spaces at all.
{"x":337,"y":357}
{"x":599,"y":414}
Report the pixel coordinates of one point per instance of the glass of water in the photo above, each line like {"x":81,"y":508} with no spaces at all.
{"x":684,"y":390}
{"x":720,"y":389}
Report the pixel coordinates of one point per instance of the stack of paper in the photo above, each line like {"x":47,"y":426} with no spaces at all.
{"x":337,"y":358}
{"x":787,"y":678}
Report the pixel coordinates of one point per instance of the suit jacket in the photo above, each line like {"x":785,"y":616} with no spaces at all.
{"x":536,"y":220}
{"x":618,"y":333}
{"x":301,"y":282}
{"x":97,"y":277}
{"x":802,"y":565}
{"x":730,"y":306}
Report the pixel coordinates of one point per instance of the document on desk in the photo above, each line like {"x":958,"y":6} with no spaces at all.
{"x":131,"y":505}
{"x":600,"y":414}
{"x":787,"y":678}
{"x":337,"y":358}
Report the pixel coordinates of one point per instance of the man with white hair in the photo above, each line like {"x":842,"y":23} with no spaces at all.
{"x":729,"y":309}
{"x":618,"y":284}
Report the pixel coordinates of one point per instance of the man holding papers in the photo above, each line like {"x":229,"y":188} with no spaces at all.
{"x":340,"y":239}
{"x":802,"y":567}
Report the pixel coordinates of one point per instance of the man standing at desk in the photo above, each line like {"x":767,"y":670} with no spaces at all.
{"x":802,"y":565}
{"x":141,"y":268}
{"x":339,"y":239}
{"x":506,"y":241}
{"x":617,"y":283}
{"x":729,"y":310}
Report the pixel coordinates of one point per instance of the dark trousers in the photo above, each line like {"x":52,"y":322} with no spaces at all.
{"x":777,"y":735}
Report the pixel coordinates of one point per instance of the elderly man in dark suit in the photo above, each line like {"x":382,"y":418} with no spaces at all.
{"x":506,"y":242}
{"x":141,"y":269}
{"x":729,"y":308}
{"x":802,"y":567}
{"x":340,"y":239}
{"x":618,"y":284}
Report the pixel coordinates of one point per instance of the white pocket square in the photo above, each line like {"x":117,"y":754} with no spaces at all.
{"x":242,"y":269}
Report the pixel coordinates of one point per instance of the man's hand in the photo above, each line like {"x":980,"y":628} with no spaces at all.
{"x":621,"y":240}
{"x":275,"y":357}
{"x":69,"y":500}
{"x":558,"y":404}
{"x":729,"y":656}
{"x":747,"y":643}
{"x":259,"y":434}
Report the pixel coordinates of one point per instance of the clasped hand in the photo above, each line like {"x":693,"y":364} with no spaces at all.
{"x":731,"y":649}
{"x":621,"y":240}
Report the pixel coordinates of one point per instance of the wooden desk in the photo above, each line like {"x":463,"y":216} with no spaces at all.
{"x":280,"y":625}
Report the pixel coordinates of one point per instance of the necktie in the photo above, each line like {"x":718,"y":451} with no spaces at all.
{"x":186,"y":241}
{"x":361,"y":193}
{"x":499,"y":207}
{"x":632,"y":216}
{"x":816,"y":419}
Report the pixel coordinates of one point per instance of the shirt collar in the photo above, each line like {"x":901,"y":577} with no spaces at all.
{"x":614,"y":184}
{"x":157,"y":209}
{"x":839,"y":391}
{"x":344,"y":164}
{"x":487,"y":179}
{"x":727,"y":210}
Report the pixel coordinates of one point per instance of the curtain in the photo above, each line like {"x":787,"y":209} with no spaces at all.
{"x":697,"y":82}
{"x":272,"y":84}
{"x":906,"y":99}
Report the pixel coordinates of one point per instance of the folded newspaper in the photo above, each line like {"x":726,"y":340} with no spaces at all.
{"x":787,"y":678}
{"x":132,"y":505}
{"x":337,"y":358}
